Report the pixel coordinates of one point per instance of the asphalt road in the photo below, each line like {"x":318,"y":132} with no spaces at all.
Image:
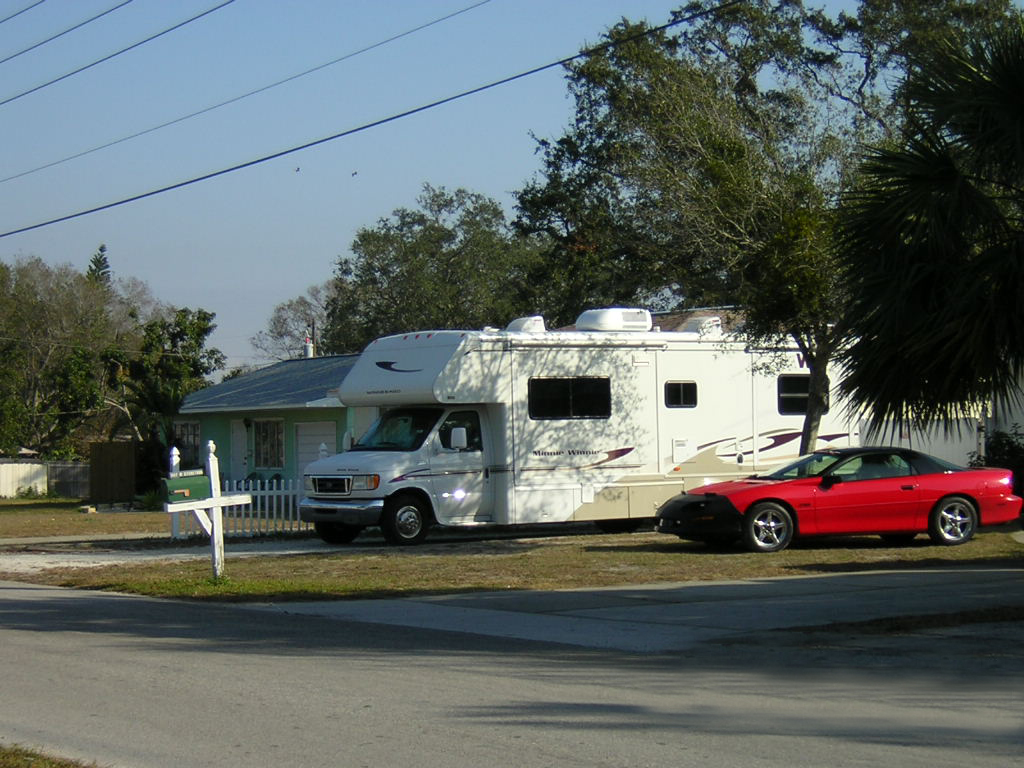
{"x":732,"y":676}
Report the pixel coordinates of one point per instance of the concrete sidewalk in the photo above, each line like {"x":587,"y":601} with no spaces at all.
{"x":671,"y":617}
{"x":648,"y":619}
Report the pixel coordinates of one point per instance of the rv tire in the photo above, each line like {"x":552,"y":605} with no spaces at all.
{"x":405,"y":520}
{"x":622,"y":525}
{"x":337,"y":533}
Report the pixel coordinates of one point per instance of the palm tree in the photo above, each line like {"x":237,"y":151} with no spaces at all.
{"x":933,"y":242}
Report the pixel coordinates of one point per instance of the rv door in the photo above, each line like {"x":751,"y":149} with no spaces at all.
{"x":462,"y":488}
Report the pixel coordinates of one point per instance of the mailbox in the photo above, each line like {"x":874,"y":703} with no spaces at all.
{"x":188,"y":488}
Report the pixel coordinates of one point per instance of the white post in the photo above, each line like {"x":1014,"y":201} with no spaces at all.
{"x":175,"y":465}
{"x":216,"y":513}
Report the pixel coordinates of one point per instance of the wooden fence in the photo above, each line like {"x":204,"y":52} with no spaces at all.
{"x":274,"y":510}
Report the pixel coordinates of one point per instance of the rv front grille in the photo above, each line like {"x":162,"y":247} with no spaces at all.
{"x":332,"y":486}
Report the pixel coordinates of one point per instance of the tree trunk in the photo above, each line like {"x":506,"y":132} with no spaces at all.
{"x":817,"y":401}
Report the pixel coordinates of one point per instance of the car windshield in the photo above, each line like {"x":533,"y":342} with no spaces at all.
{"x":811,"y":465}
{"x":401,"y":429}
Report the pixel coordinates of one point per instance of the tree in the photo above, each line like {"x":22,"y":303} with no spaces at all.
{"x":171,"y":363}
{"x":453,"y":262}
{"x":292,"y":322}
{"x":933,"y":240}
{"x":54,"y":324}
{"x":99,"y":267}
{"x":719,"y":156}
{"x":723,"y":184}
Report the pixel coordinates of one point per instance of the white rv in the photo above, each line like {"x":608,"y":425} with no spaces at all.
{"x":523,"y":425}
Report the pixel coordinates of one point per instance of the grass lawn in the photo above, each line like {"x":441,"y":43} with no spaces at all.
{"x":16,"y":757}
{"x":20,"y":518}
{"x":557,"y":562}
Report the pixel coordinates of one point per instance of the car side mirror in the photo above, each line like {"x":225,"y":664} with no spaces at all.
{"x":829,"y":480}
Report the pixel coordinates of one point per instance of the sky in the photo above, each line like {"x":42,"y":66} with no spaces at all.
{"x":242,"y":243}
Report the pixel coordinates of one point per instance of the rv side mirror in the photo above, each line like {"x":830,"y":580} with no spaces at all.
{"x":346,"y":440}
{"x":459,"y":439}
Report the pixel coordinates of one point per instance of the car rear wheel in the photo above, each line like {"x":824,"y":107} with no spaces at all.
{"x":337,"y":533}
{"x":953,"y":521}
{"x":406,"y":520}
{"x":767,"y":527}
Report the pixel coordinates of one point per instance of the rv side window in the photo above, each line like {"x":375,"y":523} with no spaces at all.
{"x":681,"y":394}
{"x":584,"y":397}
{"x":793,"y":389}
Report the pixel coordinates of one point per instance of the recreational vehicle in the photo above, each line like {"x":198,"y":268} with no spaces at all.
{"x":524,"y":425}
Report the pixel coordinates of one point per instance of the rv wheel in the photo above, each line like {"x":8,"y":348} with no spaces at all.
{"x":405,"y":520}
{"x":622,"y":525}
{"x":337,"y":533}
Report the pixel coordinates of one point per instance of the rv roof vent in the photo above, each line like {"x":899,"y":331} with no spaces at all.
{"x":614,"y":319}
{"x":533,"y":324}
{"x":704,"y":326}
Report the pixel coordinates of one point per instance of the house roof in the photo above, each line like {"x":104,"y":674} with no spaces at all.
{"x":302,"y":383}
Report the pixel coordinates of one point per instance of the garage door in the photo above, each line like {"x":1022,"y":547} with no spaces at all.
{"x":308,"y":438}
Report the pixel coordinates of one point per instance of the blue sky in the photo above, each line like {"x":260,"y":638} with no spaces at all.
{"x":242,"y":243}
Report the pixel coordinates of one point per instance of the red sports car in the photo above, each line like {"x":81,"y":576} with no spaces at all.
{"x":893,"y":492}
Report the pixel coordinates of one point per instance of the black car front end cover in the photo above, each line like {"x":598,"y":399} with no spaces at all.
{"x":699,"y":516}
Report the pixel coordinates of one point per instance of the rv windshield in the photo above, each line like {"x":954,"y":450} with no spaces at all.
{"x":401,"y":429}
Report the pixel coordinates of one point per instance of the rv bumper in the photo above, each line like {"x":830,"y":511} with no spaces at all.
{"x":702,"y":517}
{"x":360,"y":512}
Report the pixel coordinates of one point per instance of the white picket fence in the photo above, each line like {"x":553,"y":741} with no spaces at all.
{"x":274,"y":510}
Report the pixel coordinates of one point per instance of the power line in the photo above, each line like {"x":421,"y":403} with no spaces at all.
{"x":376,"y":123}
{"x":244,"y":95}
{"x":18,"y":13}
{"x":66,"y":31}
{"x":113,"y":55}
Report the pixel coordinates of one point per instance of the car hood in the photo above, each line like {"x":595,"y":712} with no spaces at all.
{"x":732,"y":486}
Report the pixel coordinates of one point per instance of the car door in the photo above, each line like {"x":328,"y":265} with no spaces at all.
{"x":870,"y":493}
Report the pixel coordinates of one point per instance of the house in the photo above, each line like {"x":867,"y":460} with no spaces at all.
{"x":271,"y":422}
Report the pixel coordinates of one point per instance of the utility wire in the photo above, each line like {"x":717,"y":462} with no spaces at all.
{"x":376,"y":123}
{"x":113,"y":55}
{"x":264,"y":88}
{"x":18,"y":13}
{"x":66,"y":31}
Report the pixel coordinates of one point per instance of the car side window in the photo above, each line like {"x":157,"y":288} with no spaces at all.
{"x":882,"y":465}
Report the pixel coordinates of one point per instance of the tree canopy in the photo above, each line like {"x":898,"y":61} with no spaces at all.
{"x":81,"y":352}
{"x":292,"y":322}
{"x":934,"y":240}
{"x":453,"y":262}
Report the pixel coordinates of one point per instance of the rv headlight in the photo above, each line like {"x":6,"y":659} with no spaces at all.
{"x":365,"y":482}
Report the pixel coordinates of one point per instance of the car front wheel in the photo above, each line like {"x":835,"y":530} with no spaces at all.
{"x":767,"y":527}
{"x":953,"y":521}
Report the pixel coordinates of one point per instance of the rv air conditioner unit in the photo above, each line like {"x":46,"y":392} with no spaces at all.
{"x":614,"y":319}
{"x":534,"y":324}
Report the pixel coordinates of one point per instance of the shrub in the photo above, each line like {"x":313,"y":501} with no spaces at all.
{"x":1006,"y":450}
